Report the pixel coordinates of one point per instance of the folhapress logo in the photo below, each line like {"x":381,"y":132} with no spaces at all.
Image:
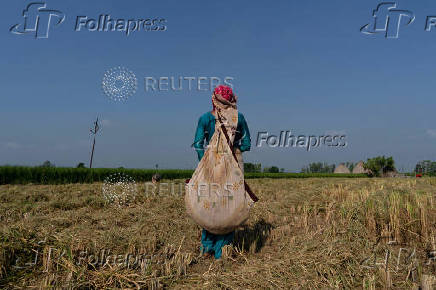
{"x":38,"y":20}
{"x":388,"y":19}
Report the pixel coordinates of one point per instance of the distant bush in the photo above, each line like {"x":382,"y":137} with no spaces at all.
{"x":272,"y":169}
{"x":251,"y":167}
{"x":379,"y":165}
{"x":303,"y":175}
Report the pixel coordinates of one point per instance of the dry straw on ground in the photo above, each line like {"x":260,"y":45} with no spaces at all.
{"x":311,"y":233}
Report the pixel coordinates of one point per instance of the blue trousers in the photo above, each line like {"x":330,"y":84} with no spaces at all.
{"x":211,"y":243}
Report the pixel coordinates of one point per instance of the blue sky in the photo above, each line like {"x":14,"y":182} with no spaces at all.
{"x":297,"y":65}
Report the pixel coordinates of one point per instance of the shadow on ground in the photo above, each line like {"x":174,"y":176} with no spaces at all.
{"x":252,"y":236}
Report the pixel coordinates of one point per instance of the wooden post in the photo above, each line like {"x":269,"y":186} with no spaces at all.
{"x":94,"y":132}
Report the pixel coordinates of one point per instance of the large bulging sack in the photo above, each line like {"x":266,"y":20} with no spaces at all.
{"x":216,"y":195}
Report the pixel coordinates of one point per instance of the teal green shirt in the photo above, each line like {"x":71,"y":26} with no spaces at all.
{"x":206,"y":128}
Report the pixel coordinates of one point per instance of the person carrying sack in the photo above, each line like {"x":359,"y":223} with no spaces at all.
{"x":217,"y":197}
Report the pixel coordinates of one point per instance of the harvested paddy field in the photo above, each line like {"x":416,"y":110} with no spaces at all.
{"x":302,"y":234}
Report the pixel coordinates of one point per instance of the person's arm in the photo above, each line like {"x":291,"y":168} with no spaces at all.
{"x":199,"y":139}
{"x":245,"y":134}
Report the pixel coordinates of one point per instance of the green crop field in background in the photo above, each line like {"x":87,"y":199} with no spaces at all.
{"x":64,"y":175}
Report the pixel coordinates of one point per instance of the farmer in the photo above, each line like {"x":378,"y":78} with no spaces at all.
{"x":212,"y":243}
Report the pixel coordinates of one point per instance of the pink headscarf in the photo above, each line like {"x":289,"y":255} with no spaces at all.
{"x":225,"y":92}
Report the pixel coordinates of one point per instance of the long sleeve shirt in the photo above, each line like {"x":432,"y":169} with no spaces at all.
{"x":206,"y":128}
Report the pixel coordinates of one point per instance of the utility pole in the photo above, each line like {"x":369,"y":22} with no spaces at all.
{"x":94,"y":132}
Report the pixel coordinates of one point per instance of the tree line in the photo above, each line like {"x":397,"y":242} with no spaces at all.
{"x":426,"y":167}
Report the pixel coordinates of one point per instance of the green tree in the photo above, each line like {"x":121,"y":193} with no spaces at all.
{"x":250,"y":167}
{"x":81,"y":165}
{"x":318,"y":167}
{"x":379,"y":165}
{"x":47,"y":164}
